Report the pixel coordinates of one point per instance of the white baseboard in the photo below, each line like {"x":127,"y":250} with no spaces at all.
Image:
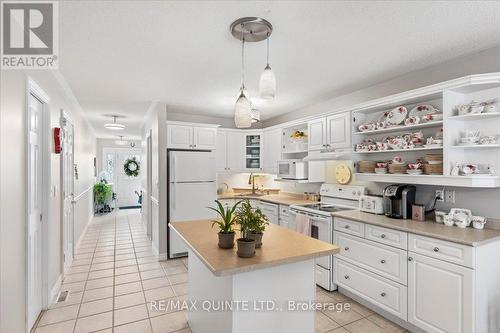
{"x":84,"y":231}
{"x":161,"y":256}
{"x":54,"y":291}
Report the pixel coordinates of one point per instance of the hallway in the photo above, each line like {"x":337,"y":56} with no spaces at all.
{"x":113,"y":279}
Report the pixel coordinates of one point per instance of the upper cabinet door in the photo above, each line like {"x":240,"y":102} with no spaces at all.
{"x":221,"y":151}
{"x":316,"y":134}
{"x":440,"y":295}
{"x":205,"y":138}
{"x":339,"y":130}
{"x":235,"y":151}
{"x":179,"y":137}
{"x":272,"y":150}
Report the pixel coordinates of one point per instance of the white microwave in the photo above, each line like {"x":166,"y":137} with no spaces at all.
{"x":292,"y":169}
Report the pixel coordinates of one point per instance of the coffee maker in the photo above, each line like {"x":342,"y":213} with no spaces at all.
{"x":398,"y":200}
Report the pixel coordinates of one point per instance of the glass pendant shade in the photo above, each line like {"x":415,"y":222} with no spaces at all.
{"x":267,"y":84}
{"x":255,"y":116}
{"x":243,"y":112}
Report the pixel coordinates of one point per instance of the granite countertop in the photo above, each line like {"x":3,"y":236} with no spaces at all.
{"x":429,"y":228}
{"x":280,"y":246}
{"x":281,"y":199}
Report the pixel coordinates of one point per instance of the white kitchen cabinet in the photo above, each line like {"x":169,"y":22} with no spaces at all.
{"x":440,"y":295}
{"x":338,"y":130}
{"x":272,"y":150}
{"x":331,"y":132}
{"x":316,"y":134}
{"x":230,"y":151}
{"x":284,"y":216}
{"x":271,"y":211}
{"x":253,"y":151}
{"x":187,"y":136}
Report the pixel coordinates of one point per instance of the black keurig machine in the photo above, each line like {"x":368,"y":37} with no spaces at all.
{"x":398,"y":200}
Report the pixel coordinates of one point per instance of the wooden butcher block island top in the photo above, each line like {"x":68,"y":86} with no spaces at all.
{"x":280,"y":246}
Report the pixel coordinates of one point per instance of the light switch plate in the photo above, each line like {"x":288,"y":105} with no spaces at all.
{"x":449,"y":196}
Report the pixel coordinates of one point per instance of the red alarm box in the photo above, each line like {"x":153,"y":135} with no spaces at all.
{"x":57,"y":139}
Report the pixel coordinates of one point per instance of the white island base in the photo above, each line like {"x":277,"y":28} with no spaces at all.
{"x":279,"y":284}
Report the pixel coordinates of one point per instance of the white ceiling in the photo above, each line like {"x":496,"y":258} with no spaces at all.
{"x":119,"y":56}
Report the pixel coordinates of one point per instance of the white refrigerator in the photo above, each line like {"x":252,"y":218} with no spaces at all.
{"x":191,"y":189}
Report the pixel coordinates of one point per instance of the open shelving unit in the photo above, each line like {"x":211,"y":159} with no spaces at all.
{"x":292,"y":148}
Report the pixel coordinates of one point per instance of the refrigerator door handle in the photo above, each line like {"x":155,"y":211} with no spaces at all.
{"x":174,"y":160}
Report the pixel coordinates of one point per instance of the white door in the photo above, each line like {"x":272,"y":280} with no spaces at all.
{"x":179,"y":137}
{"x":272,"y":150}
{"x":204,"y":138}
{"x":339,"y":130}
{"x":439,"y":295}
{"x":235,"y":151}
{"x":67,"y":186}
{"x":221,"y":151}
{"x":34,"y":259}
{"x":316,"y":134}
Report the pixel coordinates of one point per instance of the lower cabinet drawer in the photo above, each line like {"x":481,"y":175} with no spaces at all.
{"x":388,"y":295}
{"x":440,"y":249}
{"x":349,"y":227}
{"x":387,"y":236}
{"x":378,"y":258}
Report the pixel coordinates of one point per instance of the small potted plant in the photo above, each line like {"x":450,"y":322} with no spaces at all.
{"x":257,"y":222}
{"x":226,"y":224}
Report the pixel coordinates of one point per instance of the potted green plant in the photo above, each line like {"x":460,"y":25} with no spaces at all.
{"x":102,"y":195}
{"x":225,"y":224}
{"x":257,"y":222}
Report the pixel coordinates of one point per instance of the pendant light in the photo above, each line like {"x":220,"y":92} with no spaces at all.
{"x":114,"y":125}
{"x":243,"y":107}
{"x":267,"y":83}
{"x":121,"y":142}
{"x":255,"y":115}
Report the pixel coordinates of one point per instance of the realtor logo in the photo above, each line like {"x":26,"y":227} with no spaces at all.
{"x":29,"y":35}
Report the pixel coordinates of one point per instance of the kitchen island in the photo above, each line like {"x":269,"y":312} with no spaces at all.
{"x":270,"y":292}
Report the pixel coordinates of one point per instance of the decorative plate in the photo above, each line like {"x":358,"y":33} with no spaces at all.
{"x":383,"y":116}
{"x":342,"y":174}
{"x":397,"y":115}
{"x":423,"y":110}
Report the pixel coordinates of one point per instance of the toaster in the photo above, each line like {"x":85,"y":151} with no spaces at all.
{"x":371,"y":204}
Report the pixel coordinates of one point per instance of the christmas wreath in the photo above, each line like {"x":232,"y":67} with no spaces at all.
{"x":131,"y":167}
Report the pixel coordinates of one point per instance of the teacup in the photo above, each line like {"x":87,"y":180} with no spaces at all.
{"x":414,"y":166}
{"x":382,"y":145}
{"x":476,"y":107}
{"x":432,"y":117}
{"x":469,"y":169}
{"x":439,"y":216}
{"x":417,"y":141}
{"x":463,"y":109}
{"x":360,"y":147}
{"x":397,"y":160}
{"x":366,"y":127}
{"x":372,"y":147}
{"x":418,"y":134}
{"x":478,"y":222}
{"x":381,"y":164}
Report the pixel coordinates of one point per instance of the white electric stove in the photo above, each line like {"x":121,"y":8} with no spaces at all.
{"x":333,"y":198}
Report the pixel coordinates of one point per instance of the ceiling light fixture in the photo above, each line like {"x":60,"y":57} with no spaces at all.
{"x":249,"y":29}
{"x":114,"y":125}
{"x":121,"y":142}
{"x":267,"y":83}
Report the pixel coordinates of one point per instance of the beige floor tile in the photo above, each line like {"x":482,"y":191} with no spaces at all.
{"x":78,"y":269}
{"x":103,"y":259}
{"x":144,"y":254}
{"x":324,"y":323}
{"x":143,"y":326}
{"x":130,"y":314}
{"x":171,"y":263}
{"x":104,"y":265}
{"x":362,"y":310}
{"x":149,"y":266}
{"x":343,"y":317}
{"x":99,"y":283}
{"x":152,"y":274}
{"x":127,"y":278}
{"x":81,"y":262}
{"x":60,"y":314}
{"x":169,"y":322}
{"x":155,"y":283}
{"x":388,"y":326}
{"x":363,"y":326}
{"x":129,"y":250}
{"x":123,"y":263}
{"x":178,"y":278}
{"x":77,"y":277}
{"x":128,"y":288}
{"x":95,"y":294}
{"x":176,"y":270}
{"x":159,"y":293}
{"x":341,"y":330}
{"x":125,"y":256}
{"x":126,"y":270}
{"x":74,"y":287}
{"x":181,"y":289}
{"x":129,"y":300}
{"x":101,"y":274}
{"x":104,"y":253}
{"x":83,"y":256}
{"x":95,"y":307}
{"x":62,"y":327}
{"x":146,"y":260}
{"x":94,"y":323}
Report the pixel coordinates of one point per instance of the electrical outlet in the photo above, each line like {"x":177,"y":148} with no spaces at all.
{"x":449,"y":196}
{"x":440,"y":195}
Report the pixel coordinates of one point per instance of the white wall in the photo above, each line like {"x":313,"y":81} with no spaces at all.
{"x":13,"y":194}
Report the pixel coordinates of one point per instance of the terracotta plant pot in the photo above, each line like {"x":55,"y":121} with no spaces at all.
{"x":257,"y":238}
{"x":246,"y":247}
{"x":226,"y":240}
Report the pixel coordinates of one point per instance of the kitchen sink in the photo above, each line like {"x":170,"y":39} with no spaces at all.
{"x":250,"y":194}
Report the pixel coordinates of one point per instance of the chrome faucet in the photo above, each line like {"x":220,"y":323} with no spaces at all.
{"x":251,"y":181}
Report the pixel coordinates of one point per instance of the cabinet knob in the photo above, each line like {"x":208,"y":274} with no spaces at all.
{"x":382,"y":236}
{"x":436,"y":249}
{"x":347,"y":226}
{"x":346,"y":248}
{"x":382,"y":261}
{"x":410,"y":259}
{"x":346,"y":277}
{"x":383,"y":294}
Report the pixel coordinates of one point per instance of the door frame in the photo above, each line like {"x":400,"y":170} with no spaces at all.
{"x":63,"y":116}
{"x":32,"y":88}
{"x":149,"y":184}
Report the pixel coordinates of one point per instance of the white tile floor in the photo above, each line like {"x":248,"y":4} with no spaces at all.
{"x":115,"y":277}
